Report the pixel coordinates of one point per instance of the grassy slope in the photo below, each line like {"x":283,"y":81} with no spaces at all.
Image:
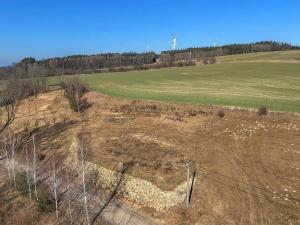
{"x":276,"y":85}
{"x":263,"y":56}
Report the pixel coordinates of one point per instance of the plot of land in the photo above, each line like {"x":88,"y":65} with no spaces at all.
{"x":247,"y":165}
{"x":243,"y":84}
{"x":280,"y":56}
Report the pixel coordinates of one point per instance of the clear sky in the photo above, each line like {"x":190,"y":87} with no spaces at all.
{"x":48,"y":28}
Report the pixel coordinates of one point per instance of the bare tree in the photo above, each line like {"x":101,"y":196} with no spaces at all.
{"x":54,"y":183}
{"x":9,"y":146}
{"x":69,"y":196}
{"x":34,"y":168}
{"x":13,"y":143}
{"x":28,"y":172}
{"x":38,"y":81}
{"x":74,"y":90}
{"x":10,"y":108}
{"x":5,"y":147}
{"x":83,"y":151}
{"x":8,"y":100}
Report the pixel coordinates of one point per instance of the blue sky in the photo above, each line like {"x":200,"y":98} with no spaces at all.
{"x":48,"y":28}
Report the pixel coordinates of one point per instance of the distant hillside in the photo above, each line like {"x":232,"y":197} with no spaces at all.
{"x":233,"y":49}
{"x":278,"y":56}
{"x":78,"y":64}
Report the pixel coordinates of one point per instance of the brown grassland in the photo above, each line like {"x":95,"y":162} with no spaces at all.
{"x":247,"y":166}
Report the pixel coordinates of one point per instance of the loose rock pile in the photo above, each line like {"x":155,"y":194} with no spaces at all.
{"x":140,"y":191}
{"x":156,"y":110}
{"x":243,"y":131}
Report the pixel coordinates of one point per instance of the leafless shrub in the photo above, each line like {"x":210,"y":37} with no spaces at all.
{"x":10,"y":145}
{"x":83,"y":151}
{"x":205,"y":60}
{"x":34,"y":167}
{"x":209,"y":60}
{"x":262,"y":111}
{"x":74,"y":90}
{"x":21,"y":183}
{"x":212,"y":60}
{"x":45,"y":202}
{"x":23,"y":217}
{"x":16,"y":89}
{"x":19,"y":88}
{"x":10,"y":109}
{"x":54,"y":182}
{"x":220,"y":113}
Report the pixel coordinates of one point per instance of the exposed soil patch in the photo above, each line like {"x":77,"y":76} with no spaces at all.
{"x":247,"y":165}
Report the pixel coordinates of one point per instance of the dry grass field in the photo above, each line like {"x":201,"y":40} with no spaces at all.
{"x":247,"y":166}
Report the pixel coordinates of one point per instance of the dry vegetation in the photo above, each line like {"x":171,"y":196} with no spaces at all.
{"x":247,"y":165}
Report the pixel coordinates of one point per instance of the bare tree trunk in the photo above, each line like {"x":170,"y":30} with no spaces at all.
{"x":27,"y":172}
{"x":7,"y":161}
{"x":33,"y":84}
{"x":34,"y":168}
{"x":10,"y":109}
{"x":82,"y":152}
{"x":83,"y":156}
{"x":77,"y":101}
{"x":12,"y":157}
{"x":54,"y":186}
{"x":69,"y":197}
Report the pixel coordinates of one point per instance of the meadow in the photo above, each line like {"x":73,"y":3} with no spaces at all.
{"x":278,"y":56}
{"x":275,"y":85}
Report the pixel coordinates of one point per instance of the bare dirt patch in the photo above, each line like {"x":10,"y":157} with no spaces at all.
{"x":247,"y":165}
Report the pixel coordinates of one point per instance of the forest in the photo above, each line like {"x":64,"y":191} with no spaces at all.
{"x":116,"y":62}
{"x":232,"y":49}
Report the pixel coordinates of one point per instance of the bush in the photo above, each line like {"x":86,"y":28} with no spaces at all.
{"x":221,"y":113}
{"x":23,"y":217}
{"x":209,"y":60}
{"x":18,"y":89}
{"x":21,"y":183}
{"x":83,"y":104}
{"x":212,"y":60}
{"x":45,"y":203}
{"x":205,"y":60}
{"x":74,"y":90}
{"x":262,"y":111}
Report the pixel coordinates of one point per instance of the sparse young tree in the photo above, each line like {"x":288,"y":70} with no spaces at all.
{"x":54,"y":183}
{"x":10,"y":108}
{"x":74,"y":90}
{"x":28,"y":172}
{"x":13,"y":143}
{"x":83,"y":151}
{"x":34,"y":168}
{"x":69,"y":195}
{"x":7,"y":156}
{"x":9,"y":146}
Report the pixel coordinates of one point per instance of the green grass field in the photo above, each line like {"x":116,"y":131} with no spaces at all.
{"x":242,"y":84}
{"x":284,"y":56}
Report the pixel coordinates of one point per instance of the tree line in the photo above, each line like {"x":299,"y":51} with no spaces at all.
{"x":232,"y":49}
{"x":75,"y":64}
{"x":113,"y":62}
